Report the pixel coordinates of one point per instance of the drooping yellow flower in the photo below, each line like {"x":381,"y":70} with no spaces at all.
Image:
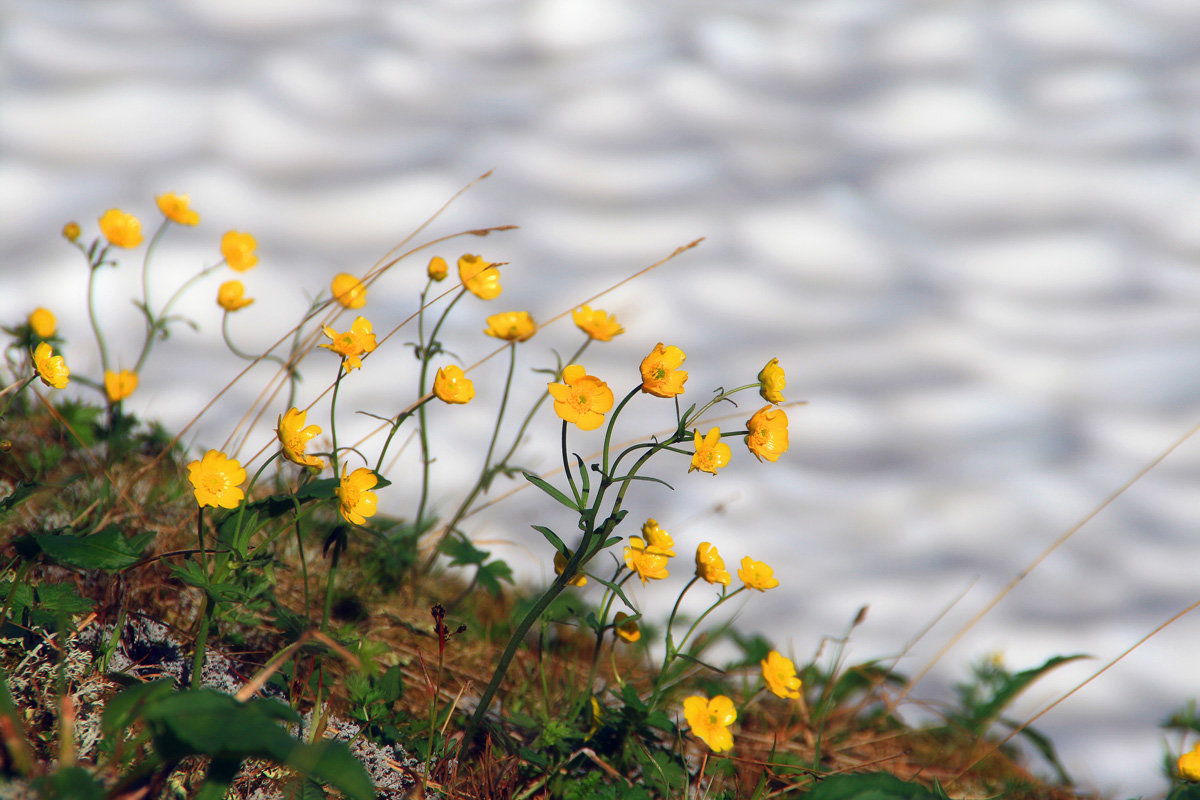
{"x":348,"y":290}
{"x":710,"y":566}
{"x":757,"y":575}
{"x":451,"y":385}
{"x":768,"y":433}
{"x":583,"y":399}
{"x":710,"y":720}
{"x":238,"y":250}
{"x":352,"y":344}
{"x":647,"y":564}
{"x":597,"y":324}
{"x":661,"y":375}
{"x":50,"y":368}
{"x":43,"y":323}
{"x":437,"y":269}
{"x":657,"y":540}
{"x":560,"y":563}
{"x":1189,"y":765}
{"x":294,"y":438}
{"x":175,"y":208}
{"x":355,"y":502}
{"x":771,"y":381}
{"x":627,"y":629}
{"x":119,"y":385}
{"x":780,"y":674}
{"x":481,"y":278}
{"x":121,"y":229}
{"x":512,"y":326}
{"x":230,"y":296}
{"x":711,"y":453}
{"x":71,"y":231}
{"x":215,"y":480}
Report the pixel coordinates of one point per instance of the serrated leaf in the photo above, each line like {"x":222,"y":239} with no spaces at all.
{"x":205,"y":722}
{"x":60,"y":598}
{"x":107,"y":549}
{"x":462,"y":553}
{"x":491,"y":573}
{"x":550,"y":490}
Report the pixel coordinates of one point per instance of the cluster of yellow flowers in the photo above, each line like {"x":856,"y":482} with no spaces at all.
{"x":710,"y":719}
{"x":647,"y":556}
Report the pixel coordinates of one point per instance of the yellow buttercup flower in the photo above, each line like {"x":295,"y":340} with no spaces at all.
{"x":43,"y":323}
{"x":710,"y":566}
{"x":451,"y":385}
{"x":771,"y":381}
{"x":596,"y":324}
{"x":583,"y":399}
{"x":175,"y":208}
{"x":352,"y":344}
{"x":560,"y":563}
{"x":348,"y":290}
{"x":355,"y":502}
{"x":481,"y":278}
{"x":294,"y":438}
{"x":627,"y":631}
{"x":768,"y":433}
{"x":512,"y":326}
{"x":229,"y":296}
{"x":647,"y":564}
{"x":71,"y":231}
{"x":119,"y":385}
{"x":50,"y":368}
{"x":710,"y":720}
{"x":657,"y":540}
{"x":1189,"y":765}
{"x":661,"y":375}
{"x":711,"y":453}
{"x":215,"y":480}
{"x":437,"y":269}
{"x":780,"y":674}
{"x":757,"y":575}
{"x":238,"y":250}
{"x":121,"y":229}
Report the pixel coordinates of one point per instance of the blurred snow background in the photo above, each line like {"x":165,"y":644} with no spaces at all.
{"x":968,"y":230}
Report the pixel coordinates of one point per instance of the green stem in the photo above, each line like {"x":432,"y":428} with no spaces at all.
{"x":91,"y":291}
{"x":333,"y":457}
{"x":483,"y":475}
{"x":421,"y":422}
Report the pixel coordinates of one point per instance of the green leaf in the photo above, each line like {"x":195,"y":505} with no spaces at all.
{"x":205,"y":722}
{"x":1185,"y":791}
{"x":643,"y":478}
{"x":697,"y":661}
{"x":235,"y":530}
{"x":121,"y":710}
{"x":192,"y":573}
{"x":552,"y":537}
{"x":1012,"y":686}
{"x":69,"y":783}
{"x":21,"y":492}
{"x":550,"y":490}
{"x":60,"y":598}
{"x":491,"y":573}
{"x":107,"y":550}
{"x":616,"y":589}
{"x":583,"y":476}
{"x":462,"y":553}
{"x":868,"y":786}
